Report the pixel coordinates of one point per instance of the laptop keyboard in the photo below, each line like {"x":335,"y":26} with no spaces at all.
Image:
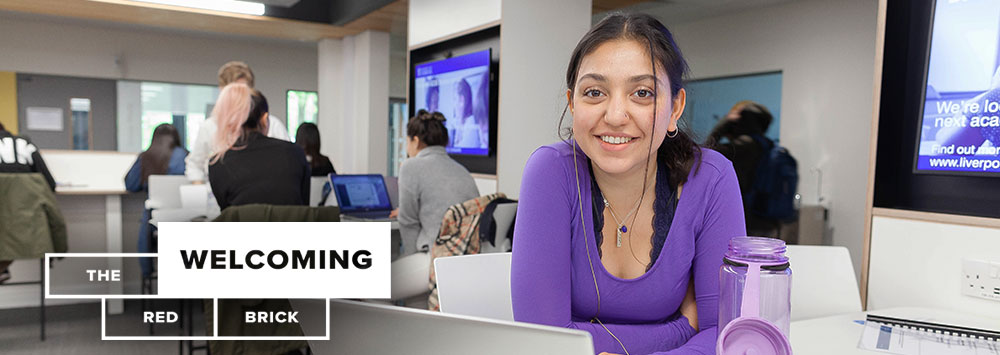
{"x":371,"y":214}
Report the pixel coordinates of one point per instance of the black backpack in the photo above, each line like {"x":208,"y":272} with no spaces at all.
{"x":773,"y":193}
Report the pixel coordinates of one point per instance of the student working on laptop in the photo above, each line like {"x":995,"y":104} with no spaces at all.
{"x":429,"y":182}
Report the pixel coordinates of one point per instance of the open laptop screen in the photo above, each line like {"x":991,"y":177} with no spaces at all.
{"x":358,"y":193}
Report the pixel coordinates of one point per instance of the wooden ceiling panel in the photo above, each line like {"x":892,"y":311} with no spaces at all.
{"x":382,"y":19}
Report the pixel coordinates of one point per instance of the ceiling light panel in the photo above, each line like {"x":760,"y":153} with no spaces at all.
{"x":236,"y":6}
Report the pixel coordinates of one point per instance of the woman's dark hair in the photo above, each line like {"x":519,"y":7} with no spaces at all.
{"x":429,"y":127}
{"x":465,"y":93}
{"x":679,"y":153}
{"x":434,"y":92}
{"x":307,"y":137}
{"x":757,"y":116}
{"x":156,"y":159}
{"x":258,"y":107}
{"x":482,"y":94}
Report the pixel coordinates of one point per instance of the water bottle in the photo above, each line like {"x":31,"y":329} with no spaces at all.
{"x":755,"y":272}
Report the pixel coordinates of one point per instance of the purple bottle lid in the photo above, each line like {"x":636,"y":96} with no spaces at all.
{"x":753,"y":336}
{"x":749,"y":334}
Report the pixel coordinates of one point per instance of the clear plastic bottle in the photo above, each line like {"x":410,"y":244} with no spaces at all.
{"x":775,"y":280}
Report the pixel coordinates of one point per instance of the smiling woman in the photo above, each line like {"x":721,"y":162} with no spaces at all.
{"x":625,"y":159}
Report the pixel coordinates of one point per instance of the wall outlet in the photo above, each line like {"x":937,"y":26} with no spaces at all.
{"x":981,"y":279}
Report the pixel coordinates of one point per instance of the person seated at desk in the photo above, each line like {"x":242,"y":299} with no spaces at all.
{"x":307,"y":137}
{"x":165,"y":156}
{"x":621,"y":229}
{"x":429,"y":182}
{"x":250,"y":167}
{"x":19,"y":155}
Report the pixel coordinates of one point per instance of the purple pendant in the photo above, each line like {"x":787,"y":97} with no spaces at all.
{"x":624,"y":230}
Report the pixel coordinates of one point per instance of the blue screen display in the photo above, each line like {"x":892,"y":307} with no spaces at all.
{"x":459,"y":88}
{"x":960,"y":126}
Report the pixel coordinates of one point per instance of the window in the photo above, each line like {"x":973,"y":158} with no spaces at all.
{"x":302,"y":107}
{"x":144,"y":105}
{"x":709,"y":100}
{"x":80,"y":115}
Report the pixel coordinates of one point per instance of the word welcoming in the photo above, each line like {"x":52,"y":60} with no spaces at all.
{"x":277,"y":259}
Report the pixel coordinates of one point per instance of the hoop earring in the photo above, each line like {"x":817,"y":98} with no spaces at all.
{"x":676,"y":131}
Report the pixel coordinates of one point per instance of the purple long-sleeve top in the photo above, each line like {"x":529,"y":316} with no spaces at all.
{"x":551,"y":281}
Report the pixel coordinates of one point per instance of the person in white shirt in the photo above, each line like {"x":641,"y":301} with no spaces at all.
{"x":196,"y":163}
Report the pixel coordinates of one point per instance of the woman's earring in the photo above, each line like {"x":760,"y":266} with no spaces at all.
{"x":672,"y":135}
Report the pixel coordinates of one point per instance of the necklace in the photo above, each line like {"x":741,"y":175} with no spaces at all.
{"x":621,"y":223}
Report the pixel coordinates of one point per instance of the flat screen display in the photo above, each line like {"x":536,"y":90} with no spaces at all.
{"x":960,"y":123}
{"x":459,"y":88}
{"x":356,"y":193}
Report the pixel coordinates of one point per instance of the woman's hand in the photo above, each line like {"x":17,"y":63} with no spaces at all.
{"x":394,"y":213}
{"x":689,"y":308}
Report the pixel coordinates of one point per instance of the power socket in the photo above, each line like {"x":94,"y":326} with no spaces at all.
{"x":981,"y":279}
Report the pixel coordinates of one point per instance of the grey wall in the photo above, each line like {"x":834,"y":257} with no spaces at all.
{"x":534,"y":53}
{"x":55,"y":91}
{"x":91,"y":49}
{"x":825,"y":51}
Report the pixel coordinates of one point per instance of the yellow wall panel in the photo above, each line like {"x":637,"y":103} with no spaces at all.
{"x":8,"y":101}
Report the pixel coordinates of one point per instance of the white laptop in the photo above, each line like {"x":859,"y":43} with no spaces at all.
{"x":365,"y":328}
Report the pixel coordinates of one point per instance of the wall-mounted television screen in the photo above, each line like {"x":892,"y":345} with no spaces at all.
{"x":960,"y":122}
{"x":459,"y":88}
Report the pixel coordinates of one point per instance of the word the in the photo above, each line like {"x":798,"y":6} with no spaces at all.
{"x":105,"y":275}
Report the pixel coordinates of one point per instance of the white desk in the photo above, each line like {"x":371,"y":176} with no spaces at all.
{"x":839,"y":335}
{"x":95,"y":173}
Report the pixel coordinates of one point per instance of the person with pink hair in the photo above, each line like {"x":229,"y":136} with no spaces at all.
{"x":248,"y":166}
{"x":196,"y":163}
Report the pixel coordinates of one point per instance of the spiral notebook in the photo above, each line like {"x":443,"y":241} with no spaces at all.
{"x":912,"y":337}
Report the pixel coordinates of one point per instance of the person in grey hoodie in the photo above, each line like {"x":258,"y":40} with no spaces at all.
{"x":429,"y":182}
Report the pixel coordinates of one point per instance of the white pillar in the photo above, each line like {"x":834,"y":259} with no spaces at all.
{"x":534,"y":53}
{"x":353,"y":87}
{"x":330,"y":74}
